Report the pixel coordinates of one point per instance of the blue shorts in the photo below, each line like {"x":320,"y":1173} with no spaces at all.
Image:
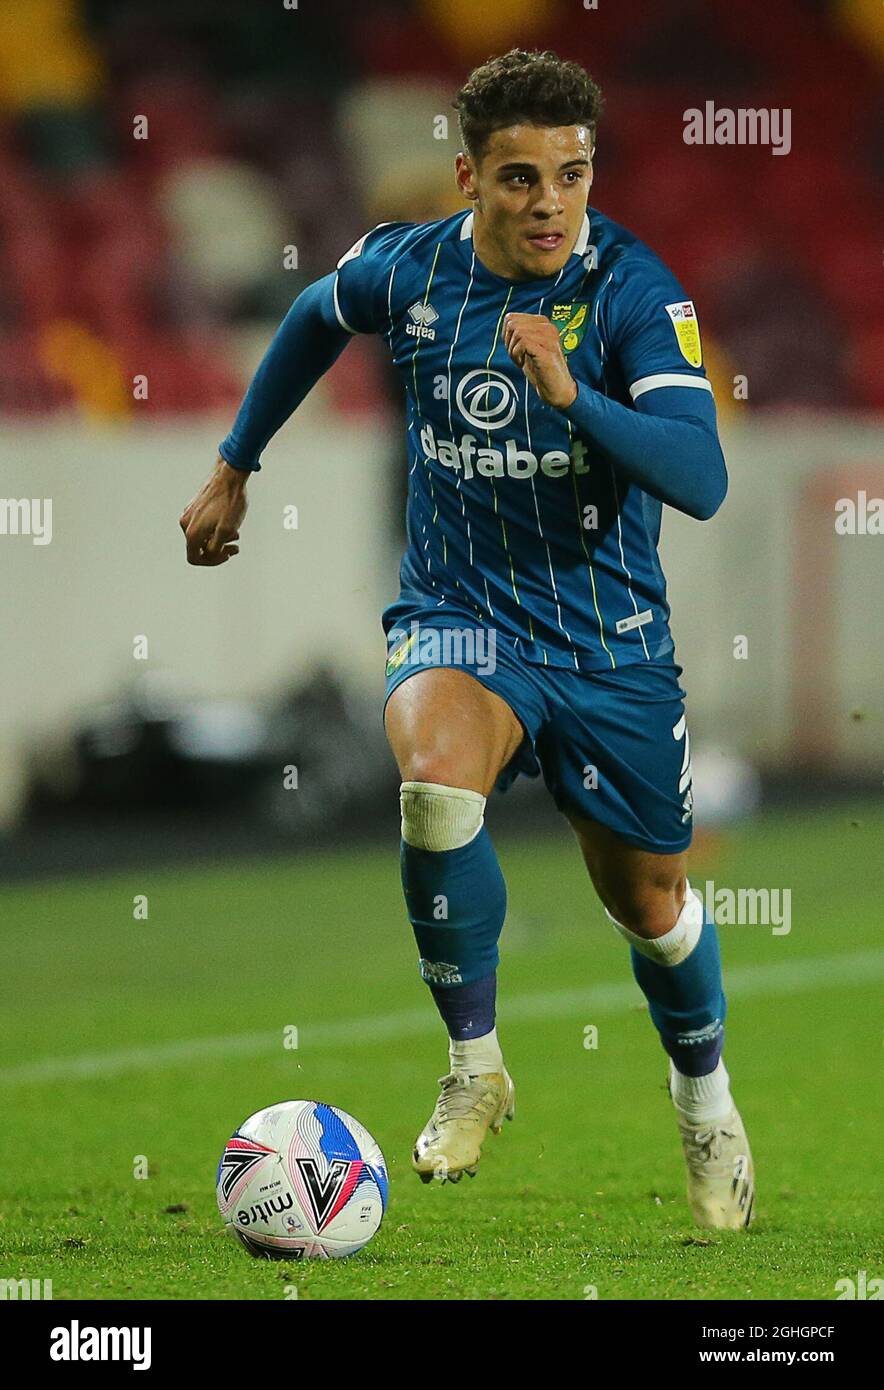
{"x":612,"y":745}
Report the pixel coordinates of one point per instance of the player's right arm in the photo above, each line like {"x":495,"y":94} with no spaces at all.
{"x":307,"y":342}
{"x":310,"y":339}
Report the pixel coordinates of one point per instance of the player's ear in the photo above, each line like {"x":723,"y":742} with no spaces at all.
{"x":464,"y":176}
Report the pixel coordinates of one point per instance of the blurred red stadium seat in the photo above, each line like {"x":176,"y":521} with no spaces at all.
{"x":781,"y":246}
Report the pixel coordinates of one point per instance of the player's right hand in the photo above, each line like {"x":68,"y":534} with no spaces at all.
{"x":211,"y":521}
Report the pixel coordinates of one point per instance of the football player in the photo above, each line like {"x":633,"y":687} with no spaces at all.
{"x":556,"y":402}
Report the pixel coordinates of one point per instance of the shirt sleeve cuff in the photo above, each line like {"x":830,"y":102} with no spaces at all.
{"x":584,"y":405}
{"x":227,"y":451}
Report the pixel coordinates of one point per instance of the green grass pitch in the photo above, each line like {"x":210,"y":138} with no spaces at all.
{"x":125,"y":1039}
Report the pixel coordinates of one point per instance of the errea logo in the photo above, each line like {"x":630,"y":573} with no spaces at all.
{"x":440,"y":972}
{"x":421,"y":315}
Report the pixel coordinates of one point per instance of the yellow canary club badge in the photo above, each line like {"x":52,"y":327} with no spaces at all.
{"x":687,"y":331}
{"x":570,"y":320}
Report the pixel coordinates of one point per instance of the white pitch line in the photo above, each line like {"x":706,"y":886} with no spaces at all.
{"x":747,"y":982}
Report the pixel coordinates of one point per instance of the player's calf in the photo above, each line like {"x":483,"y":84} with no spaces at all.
{"x":675,"y":960}
{"x":456,"y":900}
{"x":680,"y":975}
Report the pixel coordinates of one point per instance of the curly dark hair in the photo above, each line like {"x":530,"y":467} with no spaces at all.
{"x":525,"y":87}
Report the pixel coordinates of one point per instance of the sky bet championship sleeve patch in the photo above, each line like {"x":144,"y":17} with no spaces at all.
{"x":687,"y":331}
{"x":570,"y":320}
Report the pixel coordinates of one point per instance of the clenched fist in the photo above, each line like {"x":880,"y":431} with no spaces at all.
{"x":212,"y":520}
{"x":532,"y":341}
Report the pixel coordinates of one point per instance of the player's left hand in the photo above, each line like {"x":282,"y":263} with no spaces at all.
{"x":532,"y":341}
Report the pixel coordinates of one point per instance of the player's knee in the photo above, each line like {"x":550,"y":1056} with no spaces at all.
{"x":442,"y":766}
{"x":439,"y":817}
{"x":646,"y":908}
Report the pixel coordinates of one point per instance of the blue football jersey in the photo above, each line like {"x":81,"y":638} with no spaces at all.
{"x":510,"y":515}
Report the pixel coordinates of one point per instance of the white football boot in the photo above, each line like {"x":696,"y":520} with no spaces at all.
{"x":721,"y":1174}
{"x":450,"y":1144}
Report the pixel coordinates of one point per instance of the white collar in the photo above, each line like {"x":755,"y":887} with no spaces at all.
{"x":580,"y":245}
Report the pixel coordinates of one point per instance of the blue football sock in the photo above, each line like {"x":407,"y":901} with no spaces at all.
{"x":468,"y":1010}
{"x":687,"y":1003}
{"x":456,"y":901}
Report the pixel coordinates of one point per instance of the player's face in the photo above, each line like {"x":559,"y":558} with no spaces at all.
{"x":530,"y":188}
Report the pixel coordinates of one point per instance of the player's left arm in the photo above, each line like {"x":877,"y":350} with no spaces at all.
{"x":667,"y":442}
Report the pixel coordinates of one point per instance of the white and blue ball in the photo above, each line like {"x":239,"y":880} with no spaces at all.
{"x":302,"y":1180}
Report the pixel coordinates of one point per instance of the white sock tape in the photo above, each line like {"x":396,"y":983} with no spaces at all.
{"x":438,"y":817}
{"x":675,"y":945}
